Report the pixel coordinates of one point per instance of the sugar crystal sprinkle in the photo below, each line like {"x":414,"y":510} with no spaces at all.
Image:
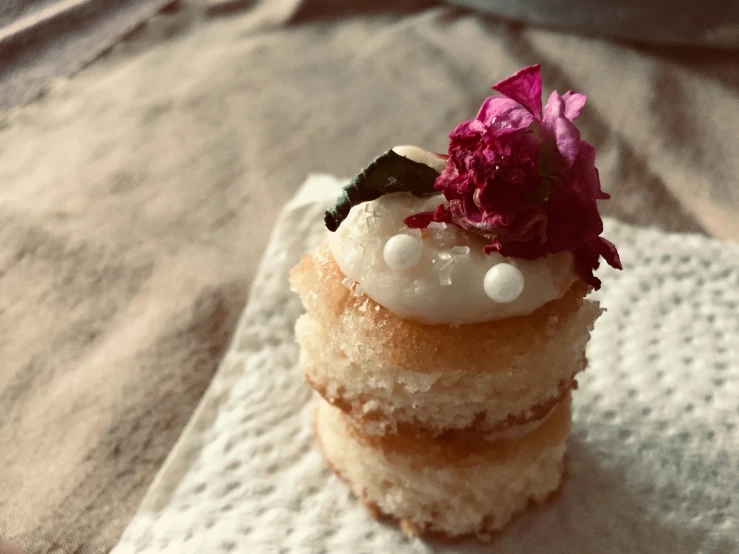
{"x":460,"y":250}
{"x":371,"y":221}
{"x":415,"y":233}
{"x":370,"y":246}
{"x":443,"y":262}
{"x":371,"y":242}
{"x":348,"y":246}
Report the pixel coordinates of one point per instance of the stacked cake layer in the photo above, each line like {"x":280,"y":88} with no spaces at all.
{"x":462,"y":486}
{"x":448,"y":429}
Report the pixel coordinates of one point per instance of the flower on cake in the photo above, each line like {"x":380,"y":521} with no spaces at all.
{"x":523,"y":178}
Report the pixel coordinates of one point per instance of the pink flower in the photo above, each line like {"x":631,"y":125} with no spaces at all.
{"x":525,"y":179}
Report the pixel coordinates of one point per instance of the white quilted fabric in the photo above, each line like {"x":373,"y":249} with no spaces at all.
{"x":653,"y":462}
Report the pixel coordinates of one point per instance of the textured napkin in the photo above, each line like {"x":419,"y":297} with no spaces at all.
{"x":652,"y":462}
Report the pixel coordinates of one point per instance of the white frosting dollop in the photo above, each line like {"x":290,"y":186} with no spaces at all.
{"x":447,"y":285}
{"x":449,"y":278}
{"x":416,"y":154}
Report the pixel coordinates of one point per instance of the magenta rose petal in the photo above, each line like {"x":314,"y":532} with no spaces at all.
{"x":574,"y":103}
{"x":419,"y":221}
{"x":503,"y":115}
{"x":422,"y":220}
{"x":524,"y":87}
{"x":608,"y":252}
{"x":567,"y":137}
{"x":586,"y":261}
{"x":583,"y":176}
{"x":468,"y":129}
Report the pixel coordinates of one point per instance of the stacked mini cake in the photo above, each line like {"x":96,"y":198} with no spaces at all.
{"x":443,"y":332}
{"x":448,"y":426}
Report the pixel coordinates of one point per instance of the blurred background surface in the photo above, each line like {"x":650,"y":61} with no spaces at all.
{"x":147,"y":146}
{"x":675,"y":22}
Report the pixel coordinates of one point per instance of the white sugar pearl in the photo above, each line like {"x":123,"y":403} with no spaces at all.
{"x":503,"y":283}
{"x":402,"y":252}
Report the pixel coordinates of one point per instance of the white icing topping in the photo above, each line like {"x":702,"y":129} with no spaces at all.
{"x":447,"y":284}
{"x":416,"y":154}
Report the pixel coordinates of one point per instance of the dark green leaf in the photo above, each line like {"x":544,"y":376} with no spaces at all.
{"x":388,"y":173}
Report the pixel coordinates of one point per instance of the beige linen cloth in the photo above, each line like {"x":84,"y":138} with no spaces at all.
{"x":136,"y":198}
